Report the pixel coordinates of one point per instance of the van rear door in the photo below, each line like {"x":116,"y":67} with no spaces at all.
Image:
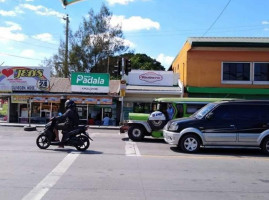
{"x":252,"y":120}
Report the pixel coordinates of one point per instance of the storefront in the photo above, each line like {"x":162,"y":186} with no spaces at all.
{"x":145,"y":86}
{"x":38,"y":109}
{"x":92,"y":104}
{"x":4,"y":101}
{"x":36,"y":103}
{"x":95,"y":108}
{"x":18,"y":85}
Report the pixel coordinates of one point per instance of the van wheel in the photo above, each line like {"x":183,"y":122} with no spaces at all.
{"x":136,"y":133}
{"x":190,"y":143}
{"x":265,"y":145}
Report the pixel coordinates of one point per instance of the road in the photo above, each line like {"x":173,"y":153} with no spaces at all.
{"x":115,"y":168}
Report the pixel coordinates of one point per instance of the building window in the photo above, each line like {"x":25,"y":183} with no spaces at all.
{"x":261,"y":73}
{"x":236,"y":72}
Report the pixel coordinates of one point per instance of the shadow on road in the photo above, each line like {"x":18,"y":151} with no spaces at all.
{"x":68,"y":150}
{"x":237,"y":152}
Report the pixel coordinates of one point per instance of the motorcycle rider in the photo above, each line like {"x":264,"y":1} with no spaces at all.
{"x":71,"y":121}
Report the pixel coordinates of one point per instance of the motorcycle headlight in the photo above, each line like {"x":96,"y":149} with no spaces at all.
{"x":173,"y":126}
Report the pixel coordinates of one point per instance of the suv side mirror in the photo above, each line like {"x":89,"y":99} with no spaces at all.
{"x":209,"y":116}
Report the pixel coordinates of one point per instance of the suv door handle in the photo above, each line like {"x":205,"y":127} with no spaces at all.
{"x":232,"y":125}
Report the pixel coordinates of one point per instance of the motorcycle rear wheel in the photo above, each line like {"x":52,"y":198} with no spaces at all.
{"x":85,"y":143}
{"x":42,"y":141}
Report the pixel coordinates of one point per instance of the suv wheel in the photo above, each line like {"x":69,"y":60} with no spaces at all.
{"x":136,"y":133}
{"x":265,"y":145}
{"x":190,"y":143}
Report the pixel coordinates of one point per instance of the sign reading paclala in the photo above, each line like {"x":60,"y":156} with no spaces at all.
{"x":143,"y":77}
{"x":24,"y":79}
{"x":89,"y":82}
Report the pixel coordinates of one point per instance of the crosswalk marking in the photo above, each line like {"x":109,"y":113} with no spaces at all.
{"x":51,"y":179}
{"x":131,"y":149}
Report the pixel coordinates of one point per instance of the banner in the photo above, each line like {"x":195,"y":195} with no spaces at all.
{"x":24,"y":79}
{"x":91,"y":100}
{"x":20,"y":99}
{"x":155,"y":78}
{"x":89,"y":82}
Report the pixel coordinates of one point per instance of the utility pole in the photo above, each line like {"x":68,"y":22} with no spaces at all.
{"x":108,"y":64}
{"x":65,"y":66}
{"x":122,"y":92}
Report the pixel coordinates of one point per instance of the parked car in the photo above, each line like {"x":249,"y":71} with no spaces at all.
{"x":240,"y":123}
{"x":140,"y":125}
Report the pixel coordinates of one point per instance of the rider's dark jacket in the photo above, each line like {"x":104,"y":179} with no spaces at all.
{"x":71,"y":118}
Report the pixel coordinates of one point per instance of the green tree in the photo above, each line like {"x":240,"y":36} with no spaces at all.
{"x":95,"y":42}
{"x":92,"y":46}
{"x":144,"y":62}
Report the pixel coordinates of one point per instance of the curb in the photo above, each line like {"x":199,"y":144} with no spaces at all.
{"x":43,"y":125}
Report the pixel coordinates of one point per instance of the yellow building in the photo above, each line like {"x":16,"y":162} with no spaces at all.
{"x":224,"y":67}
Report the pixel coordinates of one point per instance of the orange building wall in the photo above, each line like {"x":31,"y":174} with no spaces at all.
{"x":180,"y":63}
{"x":203,"y":65}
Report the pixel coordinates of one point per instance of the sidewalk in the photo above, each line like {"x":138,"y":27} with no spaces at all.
{"x":43,"y":125}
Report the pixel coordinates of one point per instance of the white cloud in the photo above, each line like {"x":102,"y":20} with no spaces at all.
{"x":129,"y":43}
{"x":41,"y":10}
{"x":11,"y":13}
{"x":29,"y":53}
{"x":265,"y":22}
{"x":165,"y":60}
{"x":11,"y":32}
{"x":134,"y":23}
{"x":122,"y":2}
{"x":2,"y":1}
{"x":45,"y":37}
{"x":7,"y":13}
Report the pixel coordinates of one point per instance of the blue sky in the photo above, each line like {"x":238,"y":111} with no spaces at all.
{"x":30,"y":30}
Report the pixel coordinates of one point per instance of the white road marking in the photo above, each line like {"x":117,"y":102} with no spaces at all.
{"x":51,"y":179}
{"x":131,"y":149}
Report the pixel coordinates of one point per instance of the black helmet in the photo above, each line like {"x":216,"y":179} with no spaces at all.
{"x":69,"y":104}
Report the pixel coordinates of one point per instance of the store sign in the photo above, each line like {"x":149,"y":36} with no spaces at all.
{"x":143,"y":77}
{"x":24,"y":79}
{"x":45,"y":99}
{"x":19,"y":99}
{"x":91,"y":100}
{"x":42,"y":99}
{"x":89,"y":82}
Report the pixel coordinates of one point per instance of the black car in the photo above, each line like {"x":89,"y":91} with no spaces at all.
{"x":243,"y":123}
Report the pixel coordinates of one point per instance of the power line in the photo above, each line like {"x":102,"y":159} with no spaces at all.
{"x":6,"y":54}
{"x":217,"y":18}
{"x":29,"y":43}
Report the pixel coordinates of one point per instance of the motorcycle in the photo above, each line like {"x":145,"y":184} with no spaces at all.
{"x":77,"y":138}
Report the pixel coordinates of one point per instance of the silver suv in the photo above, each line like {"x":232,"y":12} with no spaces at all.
{"x":243,"y":123}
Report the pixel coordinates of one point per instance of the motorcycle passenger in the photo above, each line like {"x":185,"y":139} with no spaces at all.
{"x":71,"y":121}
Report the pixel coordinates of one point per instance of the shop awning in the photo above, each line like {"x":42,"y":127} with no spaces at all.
{"x":245,"y":91}
{"x":135,"y":89}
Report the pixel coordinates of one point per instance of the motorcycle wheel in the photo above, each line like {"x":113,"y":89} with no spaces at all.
{"x":42,"y":141}
{"x":85,"y":143}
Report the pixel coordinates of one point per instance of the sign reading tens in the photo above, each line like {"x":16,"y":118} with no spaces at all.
{"x":89,"y":82}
